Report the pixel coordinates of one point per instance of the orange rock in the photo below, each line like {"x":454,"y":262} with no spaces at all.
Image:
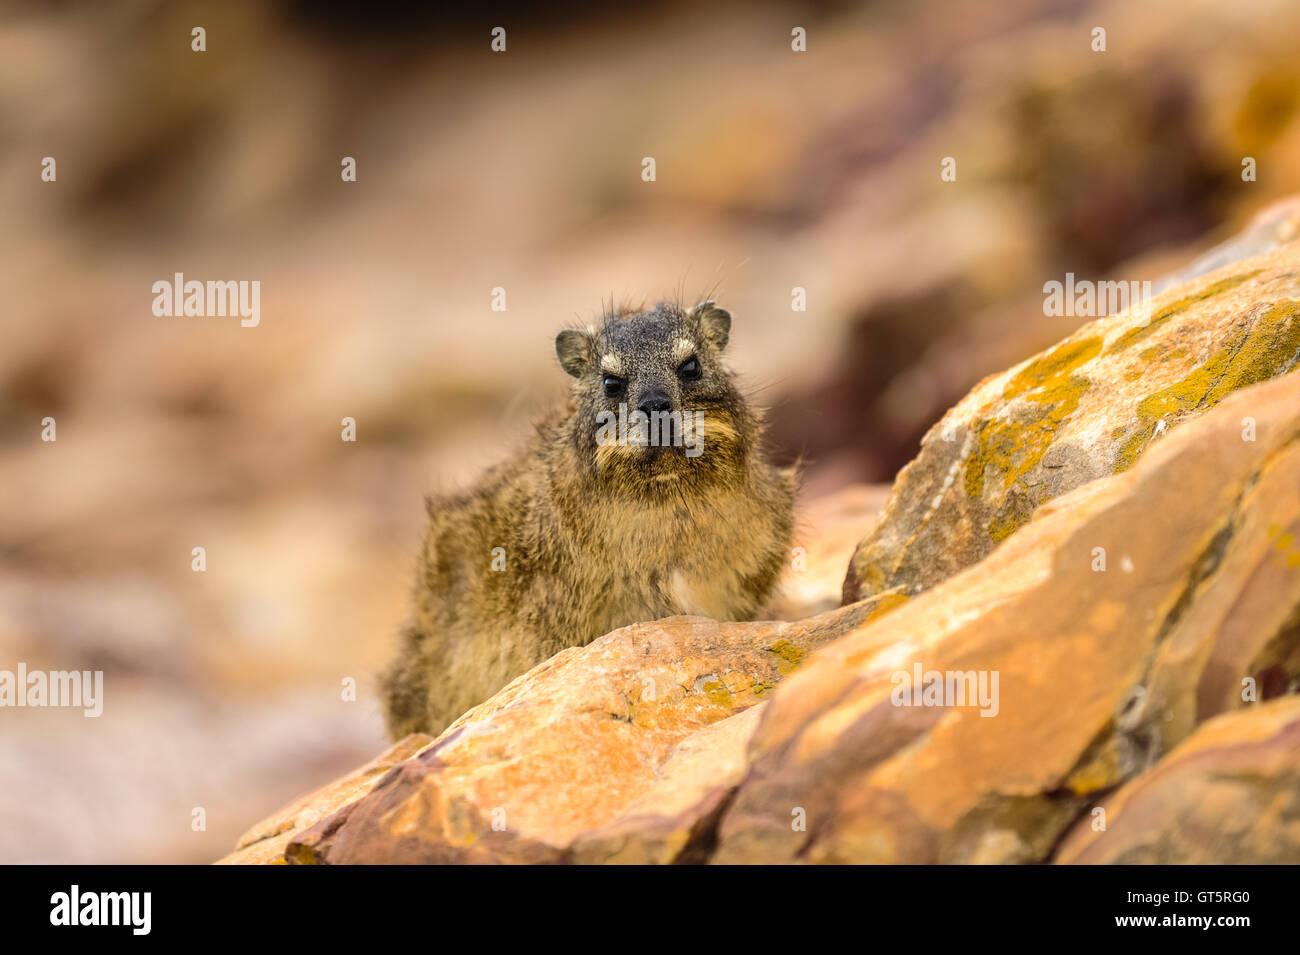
{"x":265,"y":842}
{"x":1096,"y":638}
{"x":1087,"y":408}
{"x":673,"y":821}
{"x":1100,"y":672}
{"x":1230,"y":794}
{"x":583,"y":746}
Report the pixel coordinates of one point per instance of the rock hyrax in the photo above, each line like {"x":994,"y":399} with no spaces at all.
{"x":646,"y":496}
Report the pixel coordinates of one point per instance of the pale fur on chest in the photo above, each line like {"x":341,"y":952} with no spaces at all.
{"x":660,"y":559}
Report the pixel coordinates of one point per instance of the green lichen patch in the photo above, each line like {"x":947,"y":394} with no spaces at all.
{"x":1017,"y":508}
{"x":1271,"y":348}
{"x":886,"y":603}
{"x":1267,"y":348}
{"x":1134,"y":335}
{"x":1013,"y":447}
{"x":1285,"y":542}
{"x":1163,"y":352}
{"x":789,"y":655}
{"x":1044,"y":378}
{"x":717,"y":692}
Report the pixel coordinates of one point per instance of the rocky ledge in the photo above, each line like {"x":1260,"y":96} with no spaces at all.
{"x":1073,"y":636}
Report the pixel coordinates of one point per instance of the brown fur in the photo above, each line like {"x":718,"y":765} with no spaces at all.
{"x":595,"y":536}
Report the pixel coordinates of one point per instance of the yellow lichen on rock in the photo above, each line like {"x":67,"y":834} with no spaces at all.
{"x":1137,"y":334}
{"x":1258,"y":353}
{"x":1084,"y":409}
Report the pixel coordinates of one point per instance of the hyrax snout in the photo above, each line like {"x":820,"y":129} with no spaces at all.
{"x":647,"y":495}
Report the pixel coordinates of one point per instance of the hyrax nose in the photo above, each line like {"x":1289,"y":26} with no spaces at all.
{"x":654,"y":401}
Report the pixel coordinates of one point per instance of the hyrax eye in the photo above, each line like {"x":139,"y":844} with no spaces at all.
{"x":614,"y":386}
{"x":690,"y":369}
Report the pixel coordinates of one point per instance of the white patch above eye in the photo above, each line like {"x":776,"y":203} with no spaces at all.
{"x":683,"y":349}
{"x":611,"y":364}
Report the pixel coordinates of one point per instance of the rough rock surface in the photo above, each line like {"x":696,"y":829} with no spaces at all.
{"x":1120,"y":619}
{"x":1089,"y":407}
{"x":643,"y":729}
{"x":1101,"y":671}
{"x":265,"y":842}
{"x":1230,"y":794}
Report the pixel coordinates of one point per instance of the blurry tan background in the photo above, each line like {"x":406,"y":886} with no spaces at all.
{"x":521,"y":170}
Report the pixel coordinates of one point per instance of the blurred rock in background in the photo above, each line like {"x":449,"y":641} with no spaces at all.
{"x":775,"y":170}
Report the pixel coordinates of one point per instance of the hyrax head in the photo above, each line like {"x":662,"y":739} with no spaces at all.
{"x":653,"y":399}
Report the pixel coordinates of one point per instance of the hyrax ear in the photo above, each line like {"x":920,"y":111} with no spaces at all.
{"x":715,"y":323}
{"x":574,"y":348}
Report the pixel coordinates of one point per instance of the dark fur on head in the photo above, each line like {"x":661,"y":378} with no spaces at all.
{"x":670,"y":357}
